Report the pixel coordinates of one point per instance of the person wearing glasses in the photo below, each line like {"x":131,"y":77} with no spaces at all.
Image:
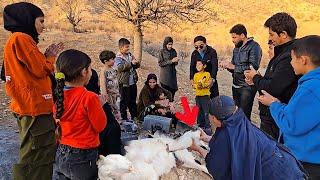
{"x":207,"y":54}
{"x":246,"y":55}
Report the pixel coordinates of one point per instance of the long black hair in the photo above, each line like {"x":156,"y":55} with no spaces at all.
{"x":70,"y":64}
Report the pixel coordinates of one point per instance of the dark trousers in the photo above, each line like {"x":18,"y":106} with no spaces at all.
{"x":243,"y":98}
{"x":203,"y":104}
{"x":269,"y":126}
{"x":313,"y":170}
{"x":214,"y":90}
{"x":128,"y":100}
{"x":173,"y":91}
{"x":75,"y":164}
{"x":110,"y":142}
{"x":37,"y":148}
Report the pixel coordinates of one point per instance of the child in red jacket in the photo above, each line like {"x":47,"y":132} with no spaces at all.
{"x":80,"y":118}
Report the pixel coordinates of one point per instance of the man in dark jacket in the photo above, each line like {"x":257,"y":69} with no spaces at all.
{"x":241,"y":151}
{"x":246,"y":53}
{"x":209,"y":55}
{"x":279,"y":80}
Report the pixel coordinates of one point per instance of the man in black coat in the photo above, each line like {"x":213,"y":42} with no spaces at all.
{"x":279,"y":80}
{"x":207,"y":54}
{"x":247,"y":53}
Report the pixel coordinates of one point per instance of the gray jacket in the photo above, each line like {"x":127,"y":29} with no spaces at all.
{"x":125,"y":68}
{"x":248,"y":54}
{"x":168,"y":73}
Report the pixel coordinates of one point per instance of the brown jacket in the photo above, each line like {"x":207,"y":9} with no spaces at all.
{"x":27,"y":76}
{"x":145,"y":97}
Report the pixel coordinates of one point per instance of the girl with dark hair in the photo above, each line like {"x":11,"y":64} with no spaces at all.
{"x":153,"y":95}
{"x":167,"y":61}
{"x":27,"y":72}
{"x":80,"y":118}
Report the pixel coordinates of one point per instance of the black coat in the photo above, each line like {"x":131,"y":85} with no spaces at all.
{"x":211,"y":59}
{"x":279,"y":80}
{"x":168,"y":73}
{"x":249,"y":54}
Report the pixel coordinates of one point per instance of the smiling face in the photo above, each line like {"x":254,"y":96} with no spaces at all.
{"x":39,"y":24}
{"x":200,"y":66}
{"x":152,"y":83}
{"x":169,"y":45}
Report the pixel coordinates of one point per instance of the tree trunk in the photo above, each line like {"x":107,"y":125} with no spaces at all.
{"x":137,"y":46}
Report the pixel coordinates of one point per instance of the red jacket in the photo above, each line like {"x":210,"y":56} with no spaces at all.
{"x":82,"y":120}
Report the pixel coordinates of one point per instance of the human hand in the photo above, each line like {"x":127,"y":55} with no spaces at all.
{"x":54,"y":49}
{"x":204,"y":137}
{"x":249,"y":74}
{"x":249,"y":81}
{"x":103,"y":99}
{"x":175,"y":60}
{"x":266,"y":98}
{"x":134,"y":61}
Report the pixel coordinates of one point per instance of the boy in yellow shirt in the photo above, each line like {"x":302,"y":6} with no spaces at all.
{"x":202,"y":83}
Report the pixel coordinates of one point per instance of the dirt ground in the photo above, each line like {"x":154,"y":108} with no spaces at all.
{"x":92,"y":44}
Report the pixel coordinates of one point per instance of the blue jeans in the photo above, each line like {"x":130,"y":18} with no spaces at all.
{"x":203,"y":102}
{"x":75,"y":164}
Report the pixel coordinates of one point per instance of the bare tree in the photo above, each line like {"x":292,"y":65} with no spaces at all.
{"x":159,"y":12}
{"x":73,"y":10}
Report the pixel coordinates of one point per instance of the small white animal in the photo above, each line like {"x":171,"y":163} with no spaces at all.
{"x":150,"y":158}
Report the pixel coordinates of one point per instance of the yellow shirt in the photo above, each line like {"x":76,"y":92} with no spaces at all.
{"x":201,"y":83}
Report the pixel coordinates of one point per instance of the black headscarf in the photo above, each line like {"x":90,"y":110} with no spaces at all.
{"x":20,"y":17}
{"x":152,"y":92}
{"x":166,"y":41}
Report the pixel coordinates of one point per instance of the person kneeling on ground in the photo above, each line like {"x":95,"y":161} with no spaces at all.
{"x":239,"y":150}
{"x":154,"y":99}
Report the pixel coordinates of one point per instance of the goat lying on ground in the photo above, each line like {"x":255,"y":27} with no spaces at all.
{"x":150,"y":158}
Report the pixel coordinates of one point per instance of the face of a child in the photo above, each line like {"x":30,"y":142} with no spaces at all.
{"x":297,"y":64}
{"x":87,"y":73}
{"x":125,"y":49}
{"x":109,"y":63}
{"x":214,"y":121}
{"x":39,"y":24}
{"x":152,"y":83}
{"x":200,"y":66}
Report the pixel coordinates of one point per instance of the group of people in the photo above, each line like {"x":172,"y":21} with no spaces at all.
{"x":68,"y":114}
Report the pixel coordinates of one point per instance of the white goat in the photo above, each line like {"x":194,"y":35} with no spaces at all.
{"x":150,"y":158}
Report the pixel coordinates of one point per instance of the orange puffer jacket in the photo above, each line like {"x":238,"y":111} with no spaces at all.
{"x":27,"y":76}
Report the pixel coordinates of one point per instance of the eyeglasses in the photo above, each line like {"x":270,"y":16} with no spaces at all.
{"x":199,"y":47}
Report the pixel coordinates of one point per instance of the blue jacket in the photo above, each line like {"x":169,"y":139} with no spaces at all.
{"x":241,"y":151}
{"x":299,"y":120}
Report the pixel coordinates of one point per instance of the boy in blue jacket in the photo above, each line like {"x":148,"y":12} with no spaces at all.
{"x":299,"y":120}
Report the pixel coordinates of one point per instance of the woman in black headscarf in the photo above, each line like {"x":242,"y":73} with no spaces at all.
{"x":167,"y":61}
{"x":148,"y":97}
{"x":27,"y":74}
